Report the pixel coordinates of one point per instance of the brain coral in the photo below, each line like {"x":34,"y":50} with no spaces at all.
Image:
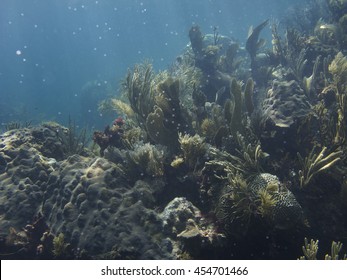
{"x":287,"y":211}
{"x":25,"y":166}
{"x":235,"y":211}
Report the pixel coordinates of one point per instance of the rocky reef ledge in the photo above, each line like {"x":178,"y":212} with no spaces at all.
{"x":89,"y":206}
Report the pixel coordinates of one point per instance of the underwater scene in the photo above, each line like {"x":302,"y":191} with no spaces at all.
{"x":162,"y":129}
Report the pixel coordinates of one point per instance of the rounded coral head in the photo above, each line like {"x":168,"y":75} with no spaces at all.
{"x":119,"y":121}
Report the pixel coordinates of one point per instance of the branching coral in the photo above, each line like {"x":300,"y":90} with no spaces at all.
{"x":310,"y":250}
{"x":315,"y":163}
{"x":336,"y":248}
{"x":189,"y":77}
{"x":252,"y":155}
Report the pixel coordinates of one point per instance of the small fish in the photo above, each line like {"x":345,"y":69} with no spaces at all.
{"x":220,"y":96}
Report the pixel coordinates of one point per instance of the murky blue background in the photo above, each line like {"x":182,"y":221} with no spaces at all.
{"x":52,"y":52}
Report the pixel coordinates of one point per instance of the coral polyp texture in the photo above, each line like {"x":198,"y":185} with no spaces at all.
{"x":232,"y":153}
{"x":285,"y":103}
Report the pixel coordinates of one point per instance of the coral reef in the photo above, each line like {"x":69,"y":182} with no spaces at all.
{"x":225,"y":155}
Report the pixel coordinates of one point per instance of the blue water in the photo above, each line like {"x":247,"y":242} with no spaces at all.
{"x":52,"y":51}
